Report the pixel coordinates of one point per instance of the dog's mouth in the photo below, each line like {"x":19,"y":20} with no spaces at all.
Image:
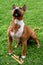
{"x":17,"y":13}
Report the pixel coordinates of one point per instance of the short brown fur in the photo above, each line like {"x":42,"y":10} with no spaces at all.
{"x":27,"y":33}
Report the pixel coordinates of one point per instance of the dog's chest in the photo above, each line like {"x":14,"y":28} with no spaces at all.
{"x":14,"y":36}
{"x":19,"y":32}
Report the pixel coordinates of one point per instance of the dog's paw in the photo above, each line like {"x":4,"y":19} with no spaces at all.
{"x":10,"y":53}
{"x":38,"y":46}
{"x":23,"y":57}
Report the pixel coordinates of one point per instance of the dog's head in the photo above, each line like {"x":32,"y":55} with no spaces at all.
{"x":18,"y":12}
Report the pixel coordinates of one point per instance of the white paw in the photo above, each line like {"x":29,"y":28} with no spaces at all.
{"x":10,"y":53}
{"x":23,"y":57}
{"x":38,"y":46}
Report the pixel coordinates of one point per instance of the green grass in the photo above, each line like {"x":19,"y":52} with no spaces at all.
{"x":34,"y":18}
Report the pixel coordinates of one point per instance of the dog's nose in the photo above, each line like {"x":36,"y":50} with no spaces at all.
{"x":17,"y":13}
{"x":16,"y":10}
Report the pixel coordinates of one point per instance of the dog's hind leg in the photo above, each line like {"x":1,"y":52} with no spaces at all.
{"x":33,"y":35}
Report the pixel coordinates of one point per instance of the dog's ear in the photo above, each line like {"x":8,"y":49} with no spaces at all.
{"x":13,"y":6}
{"x":24,"y":8}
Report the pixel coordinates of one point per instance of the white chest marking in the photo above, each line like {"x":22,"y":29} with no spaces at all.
{"x":20,"y":30}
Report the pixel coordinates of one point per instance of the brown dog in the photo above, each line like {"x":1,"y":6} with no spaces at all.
{"x":19,"y":31}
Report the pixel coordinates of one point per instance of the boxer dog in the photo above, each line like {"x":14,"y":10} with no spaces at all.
{"x":20,"y":32}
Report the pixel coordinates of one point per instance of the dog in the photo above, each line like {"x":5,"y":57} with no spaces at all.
{"x":20,"y":32}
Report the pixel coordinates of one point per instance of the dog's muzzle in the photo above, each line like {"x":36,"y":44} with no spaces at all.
{"x":17,"y":13}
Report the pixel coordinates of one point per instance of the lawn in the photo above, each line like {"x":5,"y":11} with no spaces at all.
{"x":34,"y":18}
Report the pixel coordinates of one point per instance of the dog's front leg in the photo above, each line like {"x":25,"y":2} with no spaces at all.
{"x":10,"y":45}
{"x":24,"y":43}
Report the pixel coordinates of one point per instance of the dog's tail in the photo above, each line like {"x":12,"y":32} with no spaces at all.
{"x":36,"y":28}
